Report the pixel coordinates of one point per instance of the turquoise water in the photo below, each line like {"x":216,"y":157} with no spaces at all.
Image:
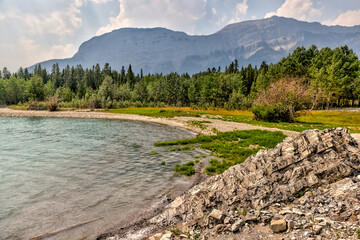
{"x":58,"y":172}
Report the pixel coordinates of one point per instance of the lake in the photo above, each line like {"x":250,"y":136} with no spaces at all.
{"x":56,"y":172}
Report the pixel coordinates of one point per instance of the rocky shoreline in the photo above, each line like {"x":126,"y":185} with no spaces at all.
{"x":307,"y":187}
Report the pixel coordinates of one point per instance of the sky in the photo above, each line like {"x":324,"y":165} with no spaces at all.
{"x":36,"y":30}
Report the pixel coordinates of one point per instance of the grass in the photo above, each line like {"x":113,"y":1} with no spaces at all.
{"x":232,"y":147}
{"x":244,"y":212}
{"x":305,"y":120}
{"x":308,"y":120}
{"x":170,"y":112}
{"x":186,"y":169}
{"x":198,"y":124}
{"x":156,"y":112}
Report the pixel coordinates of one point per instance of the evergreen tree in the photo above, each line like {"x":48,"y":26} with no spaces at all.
{"x":130,"y":79}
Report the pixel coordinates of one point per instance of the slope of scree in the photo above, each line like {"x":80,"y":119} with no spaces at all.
{"x":293,"y":181}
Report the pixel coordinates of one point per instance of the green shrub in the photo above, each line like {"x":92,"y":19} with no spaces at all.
{"x":186,"y":169}
{"x":272,"y":113}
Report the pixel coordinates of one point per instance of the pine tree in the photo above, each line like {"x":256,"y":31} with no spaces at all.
{"x":130,"y":77}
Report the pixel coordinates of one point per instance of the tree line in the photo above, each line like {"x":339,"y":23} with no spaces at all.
{"x":331,"y":77}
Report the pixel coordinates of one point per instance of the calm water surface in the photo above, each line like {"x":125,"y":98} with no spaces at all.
{"x":56,"y":172}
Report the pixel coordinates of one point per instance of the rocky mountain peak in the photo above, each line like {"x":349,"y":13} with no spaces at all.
{"x":163,"y":50}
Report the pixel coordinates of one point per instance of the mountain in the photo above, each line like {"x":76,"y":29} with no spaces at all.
{"x":163,"y":50}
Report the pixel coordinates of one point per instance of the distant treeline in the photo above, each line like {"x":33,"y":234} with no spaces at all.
{"x":331,"y":77}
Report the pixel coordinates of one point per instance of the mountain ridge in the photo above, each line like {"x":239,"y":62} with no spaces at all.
{"x":163,"y":50}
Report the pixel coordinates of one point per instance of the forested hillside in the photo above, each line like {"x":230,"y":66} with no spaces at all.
{"x":324,"y":78}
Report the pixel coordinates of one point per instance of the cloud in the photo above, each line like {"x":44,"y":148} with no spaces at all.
{"x":213,"y":10}
{"x":299,"y":9}
{"x":349,"y":18}
{"x":241,"y":8}
{"x":222,"y":20}
{"x":62,"y":22}
{"x":80,"y":3}
{"x":173,"y":14}
{"x":34,"y":52}
{"x":240,"y":11}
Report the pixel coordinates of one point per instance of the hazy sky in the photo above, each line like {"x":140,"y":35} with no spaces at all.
{"x":37,"y":30}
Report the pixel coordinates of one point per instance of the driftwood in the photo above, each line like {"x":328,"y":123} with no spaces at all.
{"x":63,"y":229}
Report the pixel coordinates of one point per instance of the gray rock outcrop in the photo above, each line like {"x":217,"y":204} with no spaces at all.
{"x":309,"y":181}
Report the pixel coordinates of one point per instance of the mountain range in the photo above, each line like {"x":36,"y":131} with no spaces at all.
{"x":158,"y":50}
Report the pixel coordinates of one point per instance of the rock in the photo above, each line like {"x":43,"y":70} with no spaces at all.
{"x":167,"y":236}
{"x":219,"y":228}
{"x":290,"y":224}
{"x":217,"y":215}
{"x":317,"y":229}
{"x":183,"y":236}
{"x":237,"y":225}
{"x":156,"y":236}
{"x":305,"y":178}
{"x":227,"y":220}
{"x":278,"y":226}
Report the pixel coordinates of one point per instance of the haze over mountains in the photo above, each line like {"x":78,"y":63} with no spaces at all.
{"x":162,"y":50}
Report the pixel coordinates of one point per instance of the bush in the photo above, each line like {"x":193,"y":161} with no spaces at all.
{"x":52,"y":104}
{"x":281,"y":101}
{"x":35,"y":105}
{"x":272,"y":113}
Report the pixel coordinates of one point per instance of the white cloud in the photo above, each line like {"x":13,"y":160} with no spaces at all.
{"x":213,"y":10}
{"x":240,"y":11}
{"x":61,"y":51}
{"x":80,"y":3}
{"x":173,"y":14}
{"x":299,"y":9}
{"x":34,"y":52}
{"x":349,"y":18}
{"x":222,"y":20}
{"x":241,"y":8}
{"x":61,"y":22}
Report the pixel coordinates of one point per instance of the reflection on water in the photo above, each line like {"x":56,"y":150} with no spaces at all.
{"x":58,"y":172}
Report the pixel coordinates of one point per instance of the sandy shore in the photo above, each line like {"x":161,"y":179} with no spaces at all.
{"x":181,"y":122}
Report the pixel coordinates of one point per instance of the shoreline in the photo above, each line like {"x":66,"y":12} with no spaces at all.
{"x":139,"y":226}
{"x":181,"y":122}
{"x":7,"y":112}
